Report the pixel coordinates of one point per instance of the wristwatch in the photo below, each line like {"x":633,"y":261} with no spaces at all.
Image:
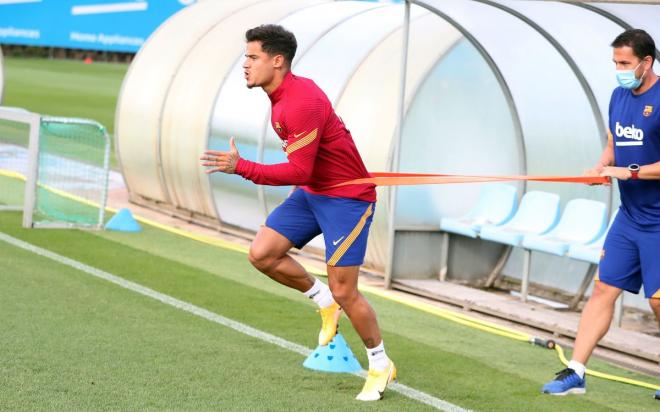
{"x":634,"y":170}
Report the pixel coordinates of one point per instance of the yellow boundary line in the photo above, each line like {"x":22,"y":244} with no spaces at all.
{"x":12,"y":174}
{"x":456,"y":317}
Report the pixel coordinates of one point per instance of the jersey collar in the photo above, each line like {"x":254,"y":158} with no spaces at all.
{"x":277,"y":94}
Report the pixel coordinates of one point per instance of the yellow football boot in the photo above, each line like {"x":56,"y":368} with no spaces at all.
{"x":330,"y":318}
{"x":376,"y":383}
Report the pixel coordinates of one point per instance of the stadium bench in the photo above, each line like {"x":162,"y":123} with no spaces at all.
{"x":538,"y":213}
{"x":495,"y":206}
{"x":582,"y":222}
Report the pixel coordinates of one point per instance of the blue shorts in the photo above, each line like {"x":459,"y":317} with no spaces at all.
{"x":631,"y":257}
{"x":343,"y":222}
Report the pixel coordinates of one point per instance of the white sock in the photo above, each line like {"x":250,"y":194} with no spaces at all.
{"x":579,"y":368}
{"x":320,"y":294}
{"x":378,"y":359}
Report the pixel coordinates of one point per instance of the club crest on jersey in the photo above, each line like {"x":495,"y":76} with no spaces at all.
{"x":648,"y":110}
{"x":278,"y":127}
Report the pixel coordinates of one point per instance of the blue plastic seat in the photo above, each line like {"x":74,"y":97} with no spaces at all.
{"x":495,"y":206}
{"x":582,"y":222}
{"x":538,"y":213}
{"x":590,"y":252}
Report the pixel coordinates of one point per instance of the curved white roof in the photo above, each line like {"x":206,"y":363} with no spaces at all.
{"x":492,"y":86}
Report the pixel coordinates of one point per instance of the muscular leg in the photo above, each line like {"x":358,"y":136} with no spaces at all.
{"x":268,"y":253}
{"x":655,"y":305}
{"x":595,"y":320}
{"x":343,"y":284}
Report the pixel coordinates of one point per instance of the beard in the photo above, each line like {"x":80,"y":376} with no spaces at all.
{"x":250,"y":84}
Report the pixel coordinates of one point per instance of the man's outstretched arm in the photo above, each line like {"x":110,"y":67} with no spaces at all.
{"x":280,"y":174}
{"x":304,"y":128}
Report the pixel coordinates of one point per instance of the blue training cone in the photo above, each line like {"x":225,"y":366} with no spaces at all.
{"x":657,"y":395}
{"x":123,"y":221}
{"x":336,"y":356}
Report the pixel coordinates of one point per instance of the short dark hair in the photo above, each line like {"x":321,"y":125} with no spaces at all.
{"x":638,"y":40}
{"x":274,"y":39}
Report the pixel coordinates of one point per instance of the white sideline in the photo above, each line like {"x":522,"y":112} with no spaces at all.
{"x":214,"y":317}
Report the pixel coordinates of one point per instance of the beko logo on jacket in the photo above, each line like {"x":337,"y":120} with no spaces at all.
{"x":629,"y":132}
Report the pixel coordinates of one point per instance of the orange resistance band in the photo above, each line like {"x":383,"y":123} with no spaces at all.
{"x":401,"y":179}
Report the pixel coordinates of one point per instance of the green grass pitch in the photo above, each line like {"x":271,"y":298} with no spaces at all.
{"x":75,"y":342}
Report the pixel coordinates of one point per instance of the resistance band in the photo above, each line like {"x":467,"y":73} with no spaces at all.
{"x":407,"y":179}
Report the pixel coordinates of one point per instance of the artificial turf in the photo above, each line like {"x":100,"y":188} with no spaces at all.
{"x":66,"y":329}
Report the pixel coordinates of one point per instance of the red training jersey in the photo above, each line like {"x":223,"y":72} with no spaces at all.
{"x":320,"y":150}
